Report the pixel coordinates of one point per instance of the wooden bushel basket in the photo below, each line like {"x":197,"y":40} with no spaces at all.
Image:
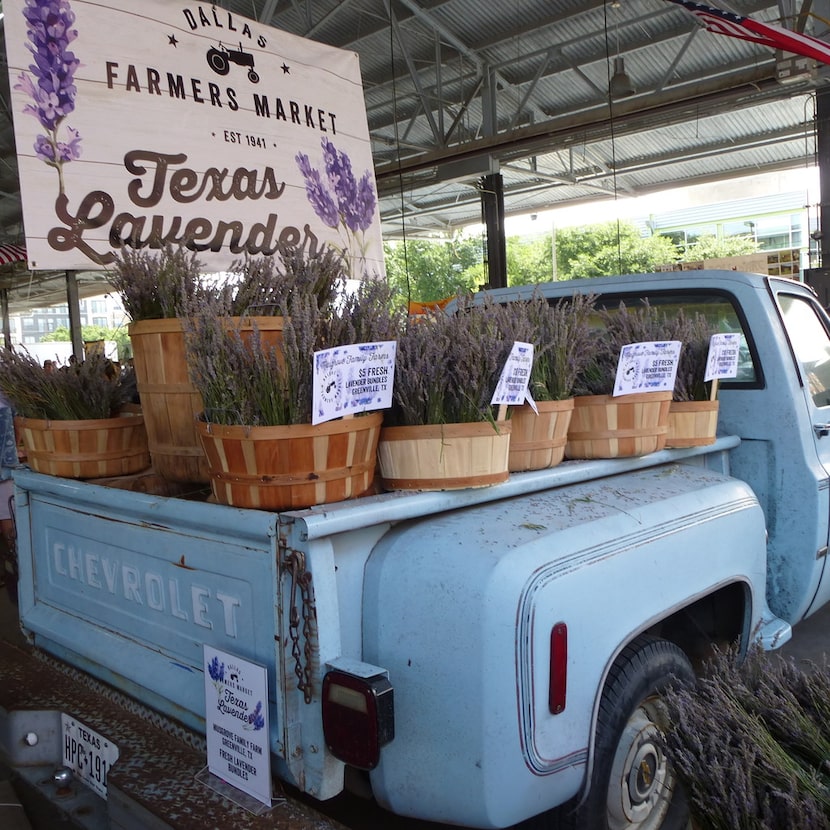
{"x":93,"y":448}
{"x":170,"y":402}
{"x":603,"y":426}
{"x":692,"y":423}
{"x":291,"y":467}
{"x":537,"y":442}
{"x":444,"y":456}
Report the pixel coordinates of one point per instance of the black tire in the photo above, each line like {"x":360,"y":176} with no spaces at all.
{"x":632,"y":785}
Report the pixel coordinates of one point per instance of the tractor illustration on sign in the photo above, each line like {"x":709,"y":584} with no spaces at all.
{"x":220,"y":59}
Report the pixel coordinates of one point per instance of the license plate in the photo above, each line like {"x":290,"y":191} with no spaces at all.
{"x":88,"y":754}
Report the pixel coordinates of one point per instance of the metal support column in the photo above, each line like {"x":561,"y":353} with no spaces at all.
{"x":74,"y":305}
{"x":492,"y":208}
{"x":492,"y":190}
{"x":818,"y":276}
{"x":823,"y":152}
{"x":7,"y":327}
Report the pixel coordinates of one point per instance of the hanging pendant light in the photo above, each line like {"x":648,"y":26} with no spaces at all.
{"x":621,"y":85}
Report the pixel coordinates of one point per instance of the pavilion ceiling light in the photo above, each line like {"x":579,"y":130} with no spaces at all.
{"x":621,"y":85}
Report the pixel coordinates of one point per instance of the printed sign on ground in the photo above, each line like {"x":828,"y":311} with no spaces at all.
{"x":236,"y":720}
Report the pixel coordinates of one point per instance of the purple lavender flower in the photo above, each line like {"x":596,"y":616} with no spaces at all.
{"x":216,"y":670}
{"x":366,"y":201}
{"x":44,"y":149}
{"x":342,"y":180}
{"x":318,"y":196}
{"x":345,"y":202}
{"x":70,"y":150}
{"x":51,"y":85}
{"x":256,"y":719}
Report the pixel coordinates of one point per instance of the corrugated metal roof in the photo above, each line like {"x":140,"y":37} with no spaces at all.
{"x":458,"y":88}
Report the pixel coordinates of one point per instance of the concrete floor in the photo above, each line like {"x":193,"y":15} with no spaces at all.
{"x":809,"y":647}
{"x":811,"y":640}
{"x":22,"y":808}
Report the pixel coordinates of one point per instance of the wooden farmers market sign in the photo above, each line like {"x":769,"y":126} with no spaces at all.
{"x":155,"y":123}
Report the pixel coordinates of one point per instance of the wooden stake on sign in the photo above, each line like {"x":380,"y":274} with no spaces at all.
{"x":501,"y":415}
{"x":713,"y":393}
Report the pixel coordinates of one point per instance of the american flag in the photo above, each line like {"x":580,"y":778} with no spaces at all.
{"x":735,"y":25}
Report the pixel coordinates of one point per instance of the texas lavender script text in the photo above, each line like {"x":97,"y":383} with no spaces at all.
{"x":159,"y":174}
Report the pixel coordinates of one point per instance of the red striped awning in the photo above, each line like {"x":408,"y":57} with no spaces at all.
{"x":12,"y":253}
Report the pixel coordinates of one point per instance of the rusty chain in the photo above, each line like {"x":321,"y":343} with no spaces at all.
{"x":300,"y":588}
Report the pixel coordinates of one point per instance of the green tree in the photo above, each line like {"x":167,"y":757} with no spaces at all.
{"x":425,"y":270}
{"x":709,"y":246}
{"x":89,"y":333}
{"x":529,"y":259}
{"x":430,"y":269}
{"x":610,"y":248}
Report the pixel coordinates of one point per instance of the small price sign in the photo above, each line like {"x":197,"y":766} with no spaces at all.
{"x":647,"y":367}
{"x":724,"y":350}
{"x":351,"y":379}
{"x":512,"y":388}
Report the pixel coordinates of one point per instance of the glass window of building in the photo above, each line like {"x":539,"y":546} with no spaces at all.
{"x":773,"y":232}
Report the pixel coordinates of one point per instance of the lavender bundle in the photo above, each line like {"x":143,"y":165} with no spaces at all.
{"x":749,"y":743}
{"x":263,"y":285}
{"x":89,"y":389}
{"x":694,"y":332}
{"x":158,"y":285}
{"x":620,"y":326}
{"x":245,"y":381}
{"x":563,"y":344}
{"x":448,"y":365}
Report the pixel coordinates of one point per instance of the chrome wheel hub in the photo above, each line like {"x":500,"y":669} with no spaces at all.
{"x":639,"y":793}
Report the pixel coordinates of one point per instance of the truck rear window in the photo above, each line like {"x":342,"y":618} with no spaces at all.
{"x":716,"y":308}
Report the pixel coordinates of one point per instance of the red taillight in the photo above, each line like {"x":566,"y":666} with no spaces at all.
{"x":558,"y":668}
{"x":358,"y":717}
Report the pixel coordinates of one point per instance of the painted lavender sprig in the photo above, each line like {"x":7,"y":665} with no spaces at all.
{"x":51,"y":82}
{"x":216,"y":670}
{"x":339,"y":199}
{"x":256,"y":719}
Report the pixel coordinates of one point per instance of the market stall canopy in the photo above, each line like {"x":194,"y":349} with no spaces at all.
{"x":456,"y":91}
{"x":12,"y":253}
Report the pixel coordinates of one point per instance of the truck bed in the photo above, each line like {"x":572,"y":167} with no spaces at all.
{"x":128,"y":587}
{"x":120,"y":575}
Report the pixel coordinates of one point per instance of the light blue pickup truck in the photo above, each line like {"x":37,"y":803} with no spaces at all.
{"x":480,"y":657}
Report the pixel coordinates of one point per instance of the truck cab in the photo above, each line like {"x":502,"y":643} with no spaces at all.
{"x":778,"y":405}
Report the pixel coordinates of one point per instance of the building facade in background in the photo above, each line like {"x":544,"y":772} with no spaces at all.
{"x":106,"y":311}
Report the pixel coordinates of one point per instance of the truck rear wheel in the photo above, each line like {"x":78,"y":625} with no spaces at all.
{"x":632,"y":784}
